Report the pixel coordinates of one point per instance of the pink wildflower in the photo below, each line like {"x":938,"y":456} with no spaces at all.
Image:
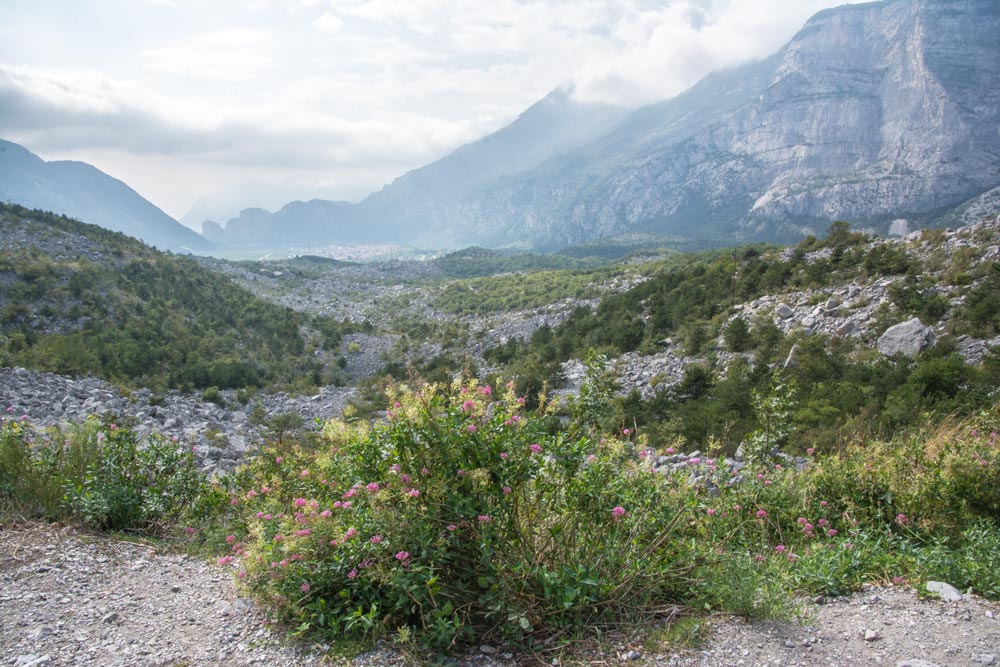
{"x":372,"y":487}
{"x":504,"y":455}
{"x":618,"y":512}
{"x":831,"y":532}
{"x":353,"y":574}
{"x":535,"y":448}
{"x":403,"y":556}
{"x":451,"y":527}
{"x":471,"y":428}
{"x":299,"y":502}
{"x":326,"y":513}
{"x":375,"y":539}
{"x":305,"y":588}
{"x":483,"y":518}
{"x":230,"y":539}
{"x":761,"y":514}
{"x":413,"y":493}
{"x":506,"y":490}
{"x":351,"y":532}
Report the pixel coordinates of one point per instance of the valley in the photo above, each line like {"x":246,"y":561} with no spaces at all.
{"x":666,"y":368}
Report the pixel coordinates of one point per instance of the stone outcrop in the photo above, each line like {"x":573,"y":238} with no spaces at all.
{"x":908,"y":338}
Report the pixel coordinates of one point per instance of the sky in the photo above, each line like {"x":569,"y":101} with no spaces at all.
{"x":206,"y":107}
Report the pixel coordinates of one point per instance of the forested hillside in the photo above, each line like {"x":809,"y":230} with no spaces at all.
{"x":78,"y":299}
{"x":722,"y":319}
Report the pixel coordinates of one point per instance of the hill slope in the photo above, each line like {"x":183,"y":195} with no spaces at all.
{"x":84,"y":192}
{"x":79,"y":299}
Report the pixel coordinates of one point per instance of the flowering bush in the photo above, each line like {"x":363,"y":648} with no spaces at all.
{"x":459,"y":518}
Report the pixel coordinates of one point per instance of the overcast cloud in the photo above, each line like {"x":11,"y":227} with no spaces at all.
{"x":226,"y":104}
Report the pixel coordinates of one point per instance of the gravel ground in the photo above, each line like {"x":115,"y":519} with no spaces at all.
{"x":69,"y":597}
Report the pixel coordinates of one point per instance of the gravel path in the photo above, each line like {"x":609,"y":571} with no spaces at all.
{"x":68,"y":597}
{"x":880,"y":626}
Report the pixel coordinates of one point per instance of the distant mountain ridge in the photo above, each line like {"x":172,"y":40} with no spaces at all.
{"x":871,"y":112}
{"x":83,"y":191}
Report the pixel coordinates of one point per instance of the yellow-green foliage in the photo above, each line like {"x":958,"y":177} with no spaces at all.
{"x":938,"y":480}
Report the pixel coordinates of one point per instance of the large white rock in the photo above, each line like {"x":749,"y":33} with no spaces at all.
{"x":909,"y":338}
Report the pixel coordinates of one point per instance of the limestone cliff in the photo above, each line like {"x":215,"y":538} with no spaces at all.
{"x":873,"y":112}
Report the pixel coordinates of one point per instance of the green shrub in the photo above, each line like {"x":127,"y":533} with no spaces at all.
{"x":460,"y":518}
{"x":213,"y":395}
{"x":96,"y":472}
{"x":134,"y":487}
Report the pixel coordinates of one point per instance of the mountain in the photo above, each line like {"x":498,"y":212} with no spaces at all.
{"x":408,"y":208}
{"x":872,"y":112}
{"x":85,"y":192}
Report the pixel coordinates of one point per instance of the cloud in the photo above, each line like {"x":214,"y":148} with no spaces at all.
{"x":342,"y":95}
{"x":227,"y":55}
{"x":328,"y":22}
{"x":666,"y":49}
{"x":93,"y":119}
